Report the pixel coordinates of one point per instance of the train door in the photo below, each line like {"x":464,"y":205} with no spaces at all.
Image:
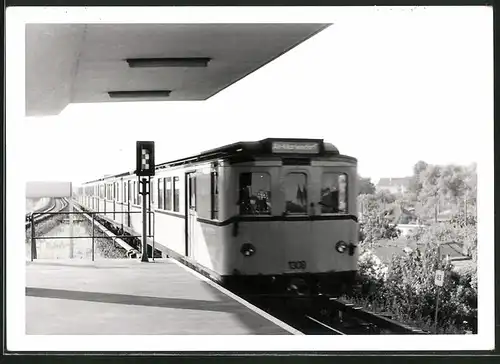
{"x":296,"y":225}
{"x":190,"y":199}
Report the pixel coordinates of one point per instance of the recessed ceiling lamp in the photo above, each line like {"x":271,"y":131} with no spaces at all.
{"x":168,"y":62}
{"x":139,"y":94}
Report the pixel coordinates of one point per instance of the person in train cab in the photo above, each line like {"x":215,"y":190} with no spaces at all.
{"x":267,"y":201}
{"x":329,"y":200}
{"x":263,"y":204}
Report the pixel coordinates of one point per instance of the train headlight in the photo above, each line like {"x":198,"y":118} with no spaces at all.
{"x":247,"y":250}
{"x":341,"y":246}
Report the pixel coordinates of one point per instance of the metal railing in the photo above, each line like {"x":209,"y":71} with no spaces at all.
{"x":95,"y":220}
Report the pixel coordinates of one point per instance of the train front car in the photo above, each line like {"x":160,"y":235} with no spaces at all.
{"x":297,"y":230}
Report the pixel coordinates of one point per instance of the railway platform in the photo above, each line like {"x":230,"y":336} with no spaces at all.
{"x":127,"y":297}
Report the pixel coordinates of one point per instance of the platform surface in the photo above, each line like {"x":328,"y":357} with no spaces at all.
{"x":127,"y":297}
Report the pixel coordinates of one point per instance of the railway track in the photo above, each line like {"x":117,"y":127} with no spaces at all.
{"x":328,"y":316}
{"x":40,"y":215}
{"x":315,"y":326}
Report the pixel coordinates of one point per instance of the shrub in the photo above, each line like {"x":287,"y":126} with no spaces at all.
{"x":406,"y":289}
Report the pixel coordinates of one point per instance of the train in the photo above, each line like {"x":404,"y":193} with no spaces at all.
{"x":278,"y":215}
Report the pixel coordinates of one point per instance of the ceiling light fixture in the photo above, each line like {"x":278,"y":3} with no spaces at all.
{"x":139,"y":94}
{"x":168,"y":62}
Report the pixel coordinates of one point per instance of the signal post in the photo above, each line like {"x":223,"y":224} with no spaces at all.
{"x":145,"y":168}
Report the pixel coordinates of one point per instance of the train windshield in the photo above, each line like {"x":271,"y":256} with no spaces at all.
{"x":295,"y":189}
{"x":255,"y":194}
{"x":334,"y":193}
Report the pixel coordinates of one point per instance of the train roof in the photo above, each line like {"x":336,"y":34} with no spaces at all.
{"x":245,"y":151}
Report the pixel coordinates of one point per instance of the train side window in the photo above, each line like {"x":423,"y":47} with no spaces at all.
{"x":151,"y":191}
{"x":255,"y":194}
{"x":118,"y":191}
{"x":192,"y":191}
{"x":168,"y":193}
{"x":160,"y":193}
{"x":124,"y":191}
{"x":214,"y":193}
{"x":134,"y":193}
{"x":137,"y":190}
{"x":176,"y":194}
{"x":129,"y":193}
{"x":295,"y":189}
{"x":333,"y":193}
{"x":139,"y":196}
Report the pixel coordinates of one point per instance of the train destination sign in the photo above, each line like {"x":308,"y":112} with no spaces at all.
{"x":295,"y":147}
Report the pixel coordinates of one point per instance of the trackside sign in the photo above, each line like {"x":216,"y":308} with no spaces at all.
{"x":295,"y":147}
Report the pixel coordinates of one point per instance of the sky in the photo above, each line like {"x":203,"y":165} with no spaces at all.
{"x":389,"y":87}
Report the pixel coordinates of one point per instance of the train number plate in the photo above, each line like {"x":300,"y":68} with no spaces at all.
{"x":297,"y":264}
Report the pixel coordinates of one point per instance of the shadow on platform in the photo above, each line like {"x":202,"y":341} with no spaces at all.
{"x":74,"y":265}
{"x":124,"y":299}
{"x":254,"y":322}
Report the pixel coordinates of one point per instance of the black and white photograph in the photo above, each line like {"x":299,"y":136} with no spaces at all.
{"x":250,"y":179}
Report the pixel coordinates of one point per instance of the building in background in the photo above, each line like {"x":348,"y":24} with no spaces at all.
{"x":393,"y":185}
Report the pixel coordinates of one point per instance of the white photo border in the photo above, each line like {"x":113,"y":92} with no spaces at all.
{"x":17,"y":340}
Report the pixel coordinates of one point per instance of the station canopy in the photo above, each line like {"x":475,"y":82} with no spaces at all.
{"x":90,"y":63}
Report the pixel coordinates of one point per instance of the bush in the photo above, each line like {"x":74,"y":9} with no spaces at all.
{"x":406,"y":289}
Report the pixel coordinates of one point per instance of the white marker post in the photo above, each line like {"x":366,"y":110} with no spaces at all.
{"x":71,"y":244}
{"x":438,"y":281}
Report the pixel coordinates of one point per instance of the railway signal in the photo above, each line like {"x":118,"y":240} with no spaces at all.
{"x":145,"y":158}
{"x":145,"y":167}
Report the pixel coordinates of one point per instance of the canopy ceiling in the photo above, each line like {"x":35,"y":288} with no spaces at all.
{"x":83,"y":63}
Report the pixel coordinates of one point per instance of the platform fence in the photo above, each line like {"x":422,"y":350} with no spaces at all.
{"x":92,"y":222}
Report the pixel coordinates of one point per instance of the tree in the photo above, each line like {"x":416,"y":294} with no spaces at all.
{"x":366,"y":187}
{"x":429,"y":195}
{"x":377,"y":217}
{"x":385,"y":197}
{"x":415,"y":183}
{"x":471,"y":189}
